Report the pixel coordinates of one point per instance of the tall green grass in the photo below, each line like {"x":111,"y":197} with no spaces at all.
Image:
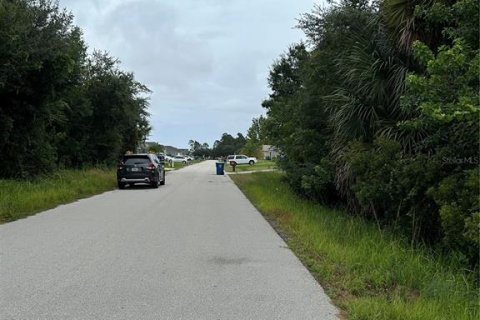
{"x":369,"y":273}
{"x":19,"y":199}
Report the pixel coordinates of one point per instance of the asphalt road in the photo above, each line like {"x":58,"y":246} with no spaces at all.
{"x":195,"y":248}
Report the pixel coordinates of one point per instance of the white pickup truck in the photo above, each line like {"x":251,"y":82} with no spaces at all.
{"x":241,"y":159}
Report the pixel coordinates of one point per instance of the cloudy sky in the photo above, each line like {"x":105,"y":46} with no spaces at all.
{"x":206,"y":61}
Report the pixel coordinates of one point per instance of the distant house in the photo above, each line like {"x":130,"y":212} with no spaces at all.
{"x":269,"y":152}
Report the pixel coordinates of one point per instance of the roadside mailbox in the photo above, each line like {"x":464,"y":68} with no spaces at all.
{"x":233,"y":164}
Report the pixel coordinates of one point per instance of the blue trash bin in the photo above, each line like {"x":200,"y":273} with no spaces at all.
{"x":220,"y":167}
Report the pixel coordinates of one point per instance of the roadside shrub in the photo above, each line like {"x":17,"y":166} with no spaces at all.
{"x":392,"y":188}
{"x":457,"y":196}
{"x":317,"y":182}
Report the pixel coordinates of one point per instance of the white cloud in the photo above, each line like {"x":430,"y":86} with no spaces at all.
{"x":207,"y":61}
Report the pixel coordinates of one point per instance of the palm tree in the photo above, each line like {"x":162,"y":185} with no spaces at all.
{"x":367,"y":103}
{"x":407,"y":26}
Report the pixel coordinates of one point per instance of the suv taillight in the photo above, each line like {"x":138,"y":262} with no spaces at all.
{"x":120,"y":165}
{"x":150,"y":166}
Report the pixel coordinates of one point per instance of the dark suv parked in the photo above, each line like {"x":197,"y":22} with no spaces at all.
{"x":140,"y":168}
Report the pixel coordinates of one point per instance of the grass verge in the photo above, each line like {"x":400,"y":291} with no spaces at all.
{"x":260,"y":165}
{"x":368,"y":273}
{"x":19,"y":199}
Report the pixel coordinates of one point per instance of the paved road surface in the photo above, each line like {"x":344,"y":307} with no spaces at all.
{"x":193,"y":249}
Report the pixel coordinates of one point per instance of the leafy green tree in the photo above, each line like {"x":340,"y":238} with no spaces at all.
{"x":256,"y":138}
{"x":380,"y":110}
{"x":228,"y":145}
{"x":445,"y":101}
{"x":59,"y":106}
{"x":119,"y":121}
{"x":198,"y":149}
{"x":156,"y":148}
{"x":40,"y":57}
{"x":194,"y":145}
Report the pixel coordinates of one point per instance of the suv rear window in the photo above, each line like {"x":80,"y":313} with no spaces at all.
{"x":136,"y":160}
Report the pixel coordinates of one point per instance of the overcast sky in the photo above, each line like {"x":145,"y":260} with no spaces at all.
{"x":206,"y":61}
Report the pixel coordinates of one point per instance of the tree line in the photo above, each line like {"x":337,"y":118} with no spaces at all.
{"x":226,"y":145}
{"x":379,"y":111}
{"x":61,"y":107}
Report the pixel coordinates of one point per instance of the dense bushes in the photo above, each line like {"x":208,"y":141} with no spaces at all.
{"x":60,"y":107}
{"x":380,"y":109}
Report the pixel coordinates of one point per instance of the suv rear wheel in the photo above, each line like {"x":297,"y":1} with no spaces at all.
{"x":156,"y":183}
{"x":163,"y":180}
{"x":121,"y":185}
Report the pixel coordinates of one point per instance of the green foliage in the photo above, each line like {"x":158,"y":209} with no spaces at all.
{"x":449,"y":90}
{"x":61,"y":108}
{"x":369,"y":273}
{"x":119,"y":118}
{"x":458,"y":198}
{"x":446,"y":99}
{"x":38,"y":55}
{"x":256,"y":138}
{"x":228,"y":145}
{"x":381,"y":111}
{"x":19,"y":199}
{"x":393,"y":189}
{"x":199,"y":150}
{"x":316,"y":183}
{"x":260,"y":165}
{"x":155,"y":148}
